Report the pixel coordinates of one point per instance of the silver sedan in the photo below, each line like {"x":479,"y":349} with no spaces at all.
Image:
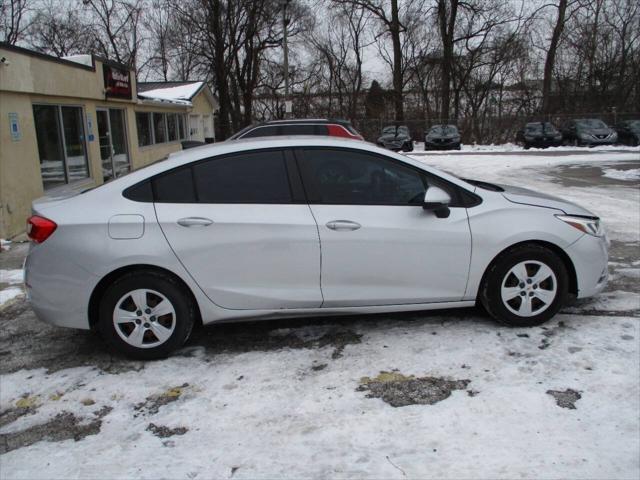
{"x":299,"y":226}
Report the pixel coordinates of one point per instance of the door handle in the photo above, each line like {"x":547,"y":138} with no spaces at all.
{"x":343,"y":225}
{"x":194,"y":222}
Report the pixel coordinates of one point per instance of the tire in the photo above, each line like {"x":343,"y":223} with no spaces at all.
{"x":126,"y":319}
{"x":501,"y":290}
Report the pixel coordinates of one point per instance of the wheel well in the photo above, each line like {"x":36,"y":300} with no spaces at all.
{"x":101,"y":287}
{"x":571,"y":271}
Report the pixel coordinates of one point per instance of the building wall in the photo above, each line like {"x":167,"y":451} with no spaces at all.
{"x":31,"y":78}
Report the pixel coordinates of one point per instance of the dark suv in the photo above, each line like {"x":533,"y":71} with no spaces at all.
{"x":629,"y":132}
{"x":313,"y":126}
{"x":539,"y":135}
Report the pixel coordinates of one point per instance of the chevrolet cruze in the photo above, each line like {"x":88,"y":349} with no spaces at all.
{"x":295,"y":226}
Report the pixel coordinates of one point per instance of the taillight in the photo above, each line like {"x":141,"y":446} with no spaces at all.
{"x":339,"y":131}
{"x":40,"y":228}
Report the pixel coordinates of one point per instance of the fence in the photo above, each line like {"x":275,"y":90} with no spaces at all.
{"x":483,"y":130}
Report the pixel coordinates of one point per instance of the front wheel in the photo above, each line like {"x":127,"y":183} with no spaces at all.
{"x":525,"y":286}
{"x":146,"y":315}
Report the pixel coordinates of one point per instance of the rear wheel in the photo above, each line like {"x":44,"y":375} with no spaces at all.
{"x":146,"y":315}
{"x":526,"y":286}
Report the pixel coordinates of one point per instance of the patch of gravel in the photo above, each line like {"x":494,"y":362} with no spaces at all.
{"x":152,"y":403}
{"x":63,"y":426}
{"x":566,"y":399}
{"x":165,"y":432}
{"x":399,"y":390}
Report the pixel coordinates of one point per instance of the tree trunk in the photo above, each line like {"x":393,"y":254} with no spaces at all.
{"x":446,"y":22}
{"x":551,"y":56}
{"x":397,"y":61}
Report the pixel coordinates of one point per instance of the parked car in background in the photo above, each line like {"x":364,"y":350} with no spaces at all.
{"x":539,"y":135}
{"x":396,"y":138}
{"x":588,"y":132}
{"x":442,"y":137}
{"x":300,"y":126}
{"x":187,"y":144}
{"x":629,"y":132}
{"x":295,"y":227}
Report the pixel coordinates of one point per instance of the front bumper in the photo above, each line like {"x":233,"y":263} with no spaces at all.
{"x":598,"y":141}
{"x":441,"y":145}
{"x":590,"y":257}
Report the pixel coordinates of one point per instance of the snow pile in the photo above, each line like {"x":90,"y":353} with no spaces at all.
{"x":630,"y":174}
{"x":81,"y":59}
{"x":181,"y":94}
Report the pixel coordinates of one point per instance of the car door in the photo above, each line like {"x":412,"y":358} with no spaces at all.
{"x":241,"y":227}
{"x":379,"y":246}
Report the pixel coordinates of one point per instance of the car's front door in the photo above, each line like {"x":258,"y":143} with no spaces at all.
{"x":379,"y":246}
{"x":242,"y":229}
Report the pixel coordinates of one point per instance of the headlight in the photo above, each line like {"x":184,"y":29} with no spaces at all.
{"x":589,"y":225}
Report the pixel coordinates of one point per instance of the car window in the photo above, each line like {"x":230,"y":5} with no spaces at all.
{"x":298,"y":130}
{"x":248,"y":177}
{"x":266,"y":131}
{"x":175,"y":186}
{"x":350,"y":177}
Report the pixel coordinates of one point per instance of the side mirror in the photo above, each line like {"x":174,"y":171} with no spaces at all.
{"x":437,"y":201}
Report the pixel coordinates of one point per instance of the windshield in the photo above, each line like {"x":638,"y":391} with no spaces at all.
{"x":591,"y":123}
{"x":443,"y":130}
{"x":538,"y":128}
{"x":392,"y":129}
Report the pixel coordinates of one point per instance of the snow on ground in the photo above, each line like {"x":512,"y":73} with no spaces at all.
{"x":631,"y":174}
{"x":512,"y":147}
{"x":13,"y":276}
{"x":272,"y":401}
{"x":8,"y":294}
{"x":275,"y":414}
{"x":540,"y":172}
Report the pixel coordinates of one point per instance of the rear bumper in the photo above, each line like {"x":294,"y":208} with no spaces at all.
{"x":57,"y":290}
{"x":590,"y":258}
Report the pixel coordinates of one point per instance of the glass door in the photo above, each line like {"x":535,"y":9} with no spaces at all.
{"x":112,"y":133}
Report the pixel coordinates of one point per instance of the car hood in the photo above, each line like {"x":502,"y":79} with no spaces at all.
{"x":393,"y":138}
{"x":596,"y":131}
{"x":525,"y":196}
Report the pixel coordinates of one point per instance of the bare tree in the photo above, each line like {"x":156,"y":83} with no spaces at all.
{"x":13,"y":16}
{"x":390,"y":20}
{"x":116,"y":28}
{"x":57,"y":29}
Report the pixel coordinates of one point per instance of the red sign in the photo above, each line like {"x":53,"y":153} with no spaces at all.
{"x":117,"y":82}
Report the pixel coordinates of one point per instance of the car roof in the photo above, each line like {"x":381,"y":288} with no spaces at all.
{"x":304,"y":121}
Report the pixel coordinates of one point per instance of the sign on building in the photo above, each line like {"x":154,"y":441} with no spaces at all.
{"x":117,"y":82}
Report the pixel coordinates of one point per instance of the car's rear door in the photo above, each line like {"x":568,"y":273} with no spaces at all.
{"x":379,"y":246}
{"x":241,"y":227}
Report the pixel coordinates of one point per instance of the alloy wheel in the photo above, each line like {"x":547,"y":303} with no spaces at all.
{"x":144,"y":318}
{"x":529,"y":288}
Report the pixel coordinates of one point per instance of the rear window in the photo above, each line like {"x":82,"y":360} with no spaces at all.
{"x":257,"y":177}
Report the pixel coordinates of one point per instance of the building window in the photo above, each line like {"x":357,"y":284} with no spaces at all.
{"x":182,"y":132}
{"x":172,"y":127}
{"x":61,"y":144}
{"x":159,"y":128}
{"x":145,"y":134}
